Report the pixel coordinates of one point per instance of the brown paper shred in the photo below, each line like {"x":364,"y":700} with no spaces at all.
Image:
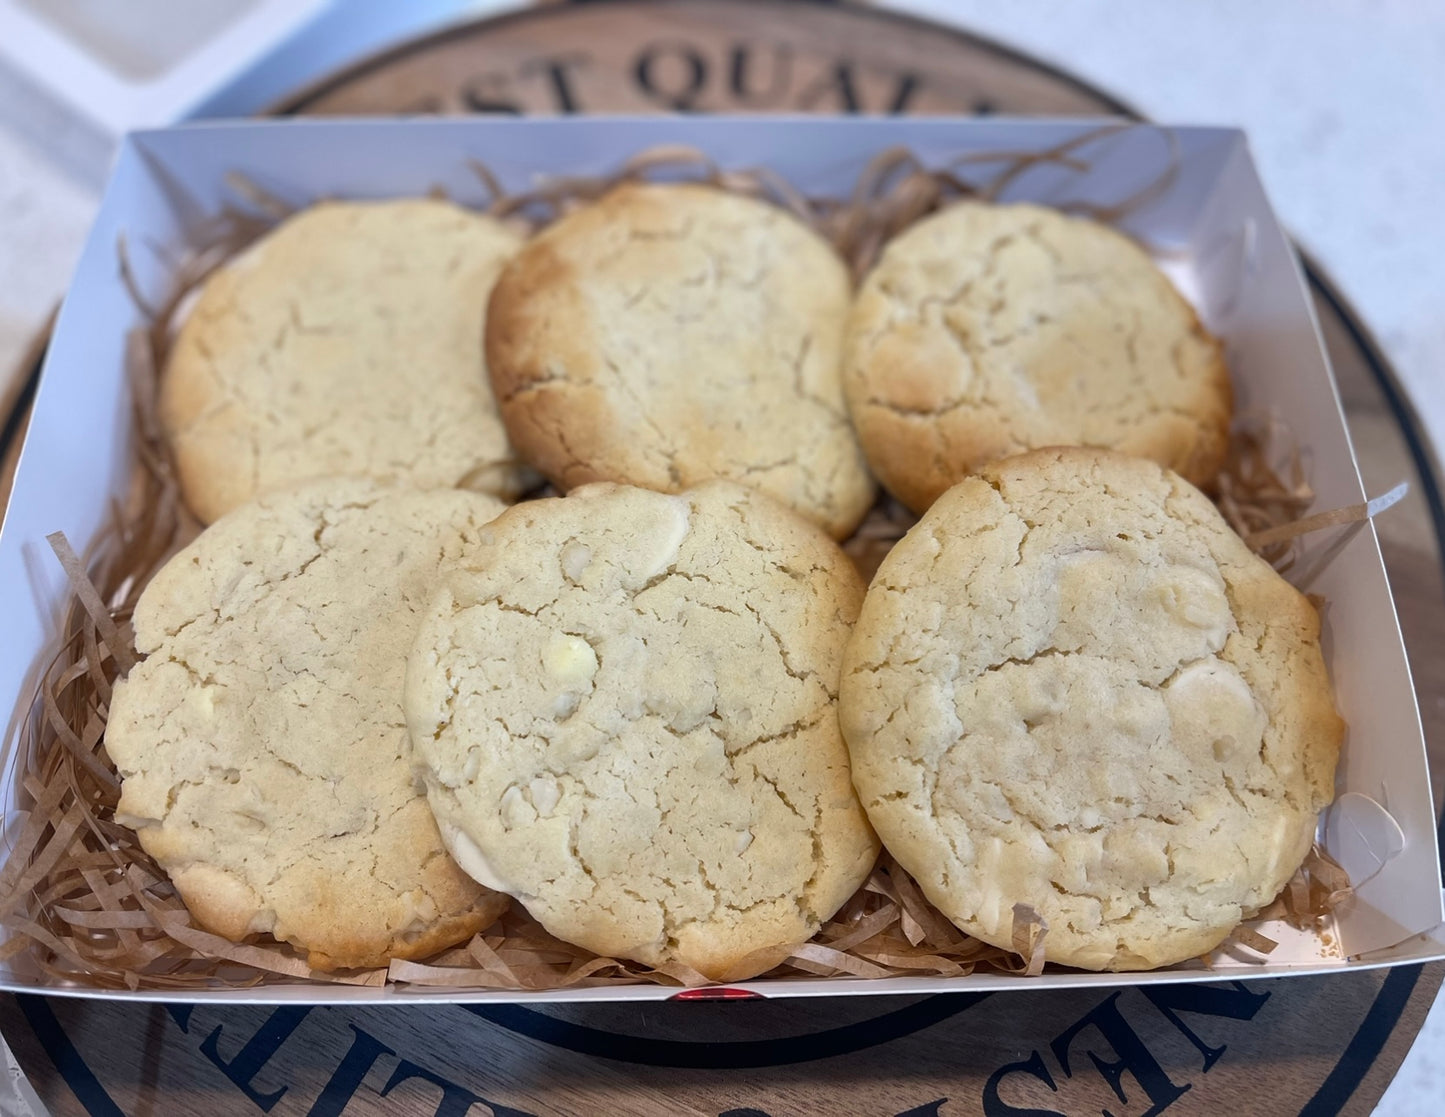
{"x":77,"y":745}
{"x":62,"y":960}
{"x":106,"y":918}
{"x":480,"y":951}
{"x":1295,"y":901}
{"x":937,"y":929}
{"x":1316,"y":889}
{"x":866,"y":928}
{"x":1029,"y":931}
{"x":1264,"y":494}
{"x":1246,"y":936}
{"x":63,"y":892}
{"x":272,"y":959}
{"x":18,"y":945}
{"x":91,"y":661}
{"x":1263,"y":483}
{"x":259,"y":197}
{"x":50,"y":855}
{"x":913,"y":930}
{"x":87,"y":595}
{"x":1329,"y":884}
{"x":886,"y":523}
{"x":403,"y":972}
{"x":1157,"y":187}
{"x":1352,"y":513}
{"x":490,"y":183}
{"x":1326,"y":872}
{"x":914,"y":962}
{"x":129,"y":281}
{"x":45,"y":800}
{"x":814,"y":957}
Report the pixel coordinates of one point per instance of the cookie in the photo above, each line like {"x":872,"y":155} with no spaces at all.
{"x":261,"y":742}
{"x":669,"y":335}
{"x":348,"y":341}
{"x":988,"y":330}
{"x":1073,"y":686}
{"x":624,"y":713}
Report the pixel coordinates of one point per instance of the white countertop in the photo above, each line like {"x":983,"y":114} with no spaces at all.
{"x":1343,"y":101}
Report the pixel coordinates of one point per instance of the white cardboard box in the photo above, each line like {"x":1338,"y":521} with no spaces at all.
{"x":1212,"y":229}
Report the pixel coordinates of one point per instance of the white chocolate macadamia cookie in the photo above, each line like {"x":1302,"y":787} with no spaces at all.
{"x":1073,"y":686}
{"x":668,"y":335}
{"x":624,"y":711}
{"x":988,"y":330}
{"x":261,"y":742}
{"x":346,"y":342}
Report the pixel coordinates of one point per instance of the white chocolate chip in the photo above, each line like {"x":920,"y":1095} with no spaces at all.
{"x":515,"y":810}
{"x":202,"y":701}
{"x":545,"y":795}
{"x":569,"y":660}
{"x":473,"y":862}
{"x":575,"y":559}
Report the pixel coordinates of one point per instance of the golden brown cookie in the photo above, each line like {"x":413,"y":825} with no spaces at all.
{"x":348,"y":341}
{"x":1073,"y":686}
{"x":261,"y":742}
{"x":625,"y":716}
{"x":987,"y":330}
{"x":669,"y":335}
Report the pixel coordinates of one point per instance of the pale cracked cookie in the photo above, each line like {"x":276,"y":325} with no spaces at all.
{"x":261,"y":741}
{"x":1072,"y":686}
{"x":988,"y":330}
{"x":625,"y":716}
{"x":348,"y":341}
{"x":669,"y":335}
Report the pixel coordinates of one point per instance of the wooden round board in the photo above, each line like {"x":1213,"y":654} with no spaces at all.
{"x":1300,"y":1045}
